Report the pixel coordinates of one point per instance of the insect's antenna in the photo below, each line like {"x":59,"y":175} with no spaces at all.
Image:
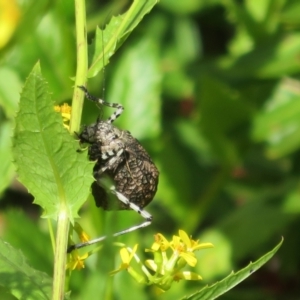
{"x":105,"y":22}
{"x":103,"y":62}
{"x":118,"y":106}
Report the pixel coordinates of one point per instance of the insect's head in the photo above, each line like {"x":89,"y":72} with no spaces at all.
{"x":88,"y":134}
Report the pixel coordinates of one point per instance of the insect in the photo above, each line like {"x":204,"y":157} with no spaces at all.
{"x":120,"y":157}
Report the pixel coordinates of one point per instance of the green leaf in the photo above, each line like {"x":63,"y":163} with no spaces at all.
{"x":6,"y":166}
{"x":58,"y":63}
{"x":6,"y":294}
{"x":10,"y":87}
{"x":223,"y":111}
{"x":38,"y":251}
{"x":264,"y":214}
{"x":176,"y":187}
{"x":278,"y":122}
{"x":45,"y":153}
{"x":140,"y":95}
{"x":23,"y":281}
{"x":222,"y":107}
{"x":292,"y":202}
{"x":290,"y":13}
{"x":116,"y":33}
{"x":271,"y":58}
{"x":223,"y":286}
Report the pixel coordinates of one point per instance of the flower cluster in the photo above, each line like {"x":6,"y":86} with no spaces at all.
{"x":168,"y":263}
{"x":65,"y":111}
{"x":170,"y":257}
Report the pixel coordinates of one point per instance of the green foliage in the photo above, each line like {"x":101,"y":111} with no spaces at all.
{"x":23,"y":281}
{"x":278,"y":123}
{"x":210,"y":88}
{"x":38,"y":249}
{"x":143,"y":97}
{"x":216,"y":290}
{"x":6,"y":168}
{"x":108,"y":40}
{"x":45,"y":153}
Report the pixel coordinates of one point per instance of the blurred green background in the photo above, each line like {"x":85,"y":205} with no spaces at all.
{"x":211,"y":89}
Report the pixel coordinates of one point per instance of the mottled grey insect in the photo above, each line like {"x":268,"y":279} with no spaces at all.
{"x":123,"y":159}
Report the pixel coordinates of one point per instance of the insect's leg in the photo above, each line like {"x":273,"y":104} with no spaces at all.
{"x":132,"y":205}
{"x":115,"y":159}
{"x":102,"y":238}
{"x":143,"y":213}
{"x":119,"y":107}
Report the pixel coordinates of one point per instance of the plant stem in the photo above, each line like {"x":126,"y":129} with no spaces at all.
{"x":82,"y":65}
{"x":59,"y":274}
{"x":60,"y":255}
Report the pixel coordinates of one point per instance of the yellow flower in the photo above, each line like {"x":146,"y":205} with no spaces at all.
{"x":191,"y":244}
{"x":65,"y":111}
{"x":126,"y":258}
{"x":160,"y":242}
{"x":9,"y":19}
{"x":76,"y":261}
{"x":184,"y":247}
{"x":83,"y":236}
